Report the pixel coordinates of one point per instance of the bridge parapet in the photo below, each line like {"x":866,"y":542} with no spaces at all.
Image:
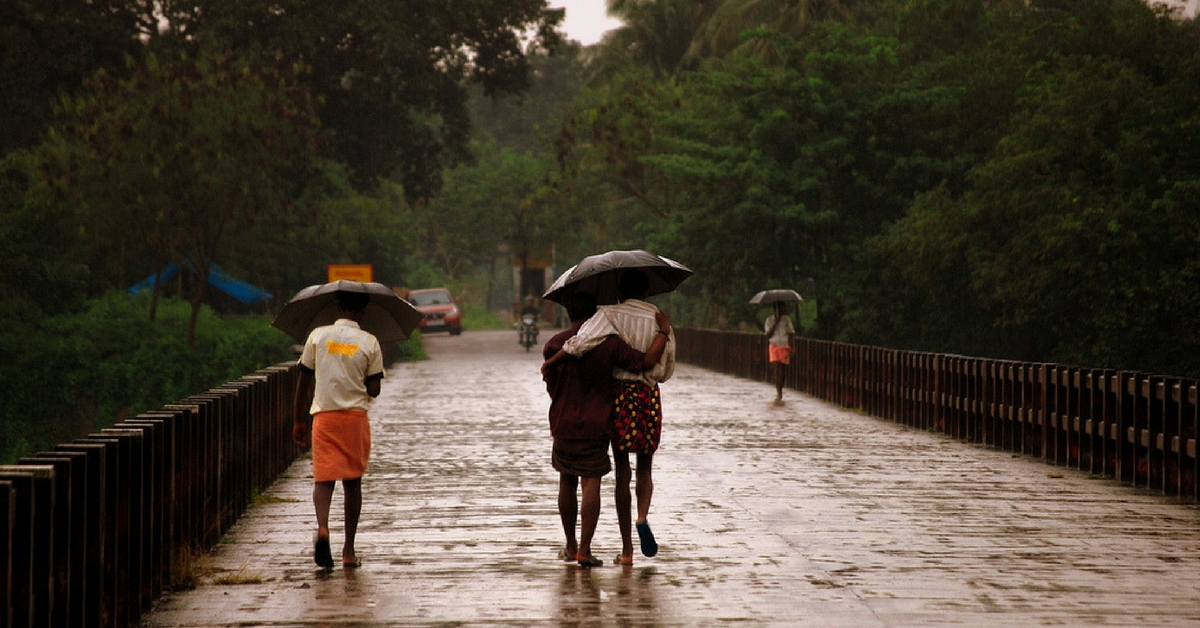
{"x":95,"y":530}
{"x":1135,"y":427}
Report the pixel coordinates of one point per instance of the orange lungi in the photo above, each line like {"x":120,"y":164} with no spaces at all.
{"x":779,"y":354}
{"x":341,"y":445}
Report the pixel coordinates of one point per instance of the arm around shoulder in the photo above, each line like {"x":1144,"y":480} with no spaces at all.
{"x":554,"y":359}
{"x":654,"y":353}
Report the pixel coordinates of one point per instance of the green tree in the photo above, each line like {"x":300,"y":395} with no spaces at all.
{"x":391,"y":76}
{"x":760,"y":174}
{"x":655,"y":35}
{"x":43,"y":259}
{"x":172,"y":160}
{"x":48,"y":47}
{"x":527,"y":122}
{"x":1074,"y":241}
{"x":503,"y":202}
{"x":725,"y":30}
{"x":330,"y":223}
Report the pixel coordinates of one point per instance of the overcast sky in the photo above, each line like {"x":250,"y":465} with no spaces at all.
{"x":586,"y":20}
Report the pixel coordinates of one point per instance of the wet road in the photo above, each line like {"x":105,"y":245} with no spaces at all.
{"x":796,"y":515}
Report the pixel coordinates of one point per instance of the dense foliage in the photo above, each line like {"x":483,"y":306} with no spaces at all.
{"x":270,"y":138}
{"x":1007,"y":179}
{"x":79,"y":372}
{"x":1002,"y":178}
{"x":162,"y":165}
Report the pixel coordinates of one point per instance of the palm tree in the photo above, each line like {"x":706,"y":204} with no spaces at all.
{"x":657,"y":33}
{"x":722,"y":32}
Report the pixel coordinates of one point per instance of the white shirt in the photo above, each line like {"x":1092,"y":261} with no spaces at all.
{"x":633,"y":320}
{"x":343,"y":357}
{"x":783,"y":332}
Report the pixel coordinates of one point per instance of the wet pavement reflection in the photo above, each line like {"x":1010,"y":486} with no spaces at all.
{"x":800,"y":514}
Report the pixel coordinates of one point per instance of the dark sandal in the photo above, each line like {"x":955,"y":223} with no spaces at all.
{"x":321,"y":552}
{"x":649,"y":546}
{"x":589,"y":561}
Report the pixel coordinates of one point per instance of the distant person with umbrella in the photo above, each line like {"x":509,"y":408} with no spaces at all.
{"x":637,"y":411}
{"x":779,"y":331}
{"x":582,"y":391}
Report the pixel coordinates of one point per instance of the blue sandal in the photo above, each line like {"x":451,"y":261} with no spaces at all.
{"x":646,"y":537}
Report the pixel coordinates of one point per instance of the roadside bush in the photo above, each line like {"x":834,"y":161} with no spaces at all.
{"x":410,"y":350}
{"x":72,"y":374}
{"x":477,"y":317}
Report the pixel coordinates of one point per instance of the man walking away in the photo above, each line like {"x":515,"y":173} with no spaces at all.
{"x":341,"y":369}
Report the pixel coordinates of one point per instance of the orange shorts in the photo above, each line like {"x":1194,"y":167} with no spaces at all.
{"x":341,"y":445}
{"x":783,"y":355}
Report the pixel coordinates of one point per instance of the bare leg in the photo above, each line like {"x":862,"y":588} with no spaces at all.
{"x":645,"y":485}
{"x":353,"y":508}
{"x":322,"y":499}
{"x":624,"y":501}
{"x":568,"y":508}
{"x":590,"y":513}
{"x":778,"y":381}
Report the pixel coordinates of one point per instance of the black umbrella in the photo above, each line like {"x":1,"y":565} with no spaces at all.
{"x":388,"y":317}
{"x":767,"y":297}
{"x":599,"y":274}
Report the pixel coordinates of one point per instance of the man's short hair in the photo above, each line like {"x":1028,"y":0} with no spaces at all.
{"x":581,"y":306}
{"x":633,"y":284}
{"x":352,"y":301}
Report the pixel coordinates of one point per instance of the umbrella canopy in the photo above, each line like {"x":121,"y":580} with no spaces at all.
{"x":388,"y":317}
{"x":599,"y":274}
{"x":767,"y":297}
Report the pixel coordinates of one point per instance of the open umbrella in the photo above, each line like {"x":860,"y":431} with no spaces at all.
{"x":388,"y":317}
{"x":767,"y":297}
{"x":599,"y":274}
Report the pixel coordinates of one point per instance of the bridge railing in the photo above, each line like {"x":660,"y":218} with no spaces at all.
{"x":96,"y":529}
{"x":1135,"y":427}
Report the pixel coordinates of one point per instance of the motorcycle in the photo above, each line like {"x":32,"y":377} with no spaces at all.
{"x":528,"y":331}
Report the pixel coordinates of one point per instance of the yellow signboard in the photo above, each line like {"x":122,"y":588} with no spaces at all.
{"x":354,"y":272}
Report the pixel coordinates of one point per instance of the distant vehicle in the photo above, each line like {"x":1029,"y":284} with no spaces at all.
{"x":440,"y":310}
{"x":528,"y":330}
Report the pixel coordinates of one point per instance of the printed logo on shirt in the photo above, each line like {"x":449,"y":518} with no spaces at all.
{"x":338,"y":348}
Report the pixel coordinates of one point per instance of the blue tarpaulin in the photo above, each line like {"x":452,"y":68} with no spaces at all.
{"x":236,"y":288}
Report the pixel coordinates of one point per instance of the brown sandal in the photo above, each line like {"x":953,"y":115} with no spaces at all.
{"x":588,"y":561}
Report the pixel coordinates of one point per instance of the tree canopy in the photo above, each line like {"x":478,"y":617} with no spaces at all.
{"x":273,"y":138}
{"x":167,"y":163}
{"x":1000,"y":178}
{"x":48,"y":47}
{"x":1008,"y":179}
{"x":391,"y":76}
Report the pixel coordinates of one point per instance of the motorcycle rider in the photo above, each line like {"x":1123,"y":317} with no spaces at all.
{"x":530,"y":307}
